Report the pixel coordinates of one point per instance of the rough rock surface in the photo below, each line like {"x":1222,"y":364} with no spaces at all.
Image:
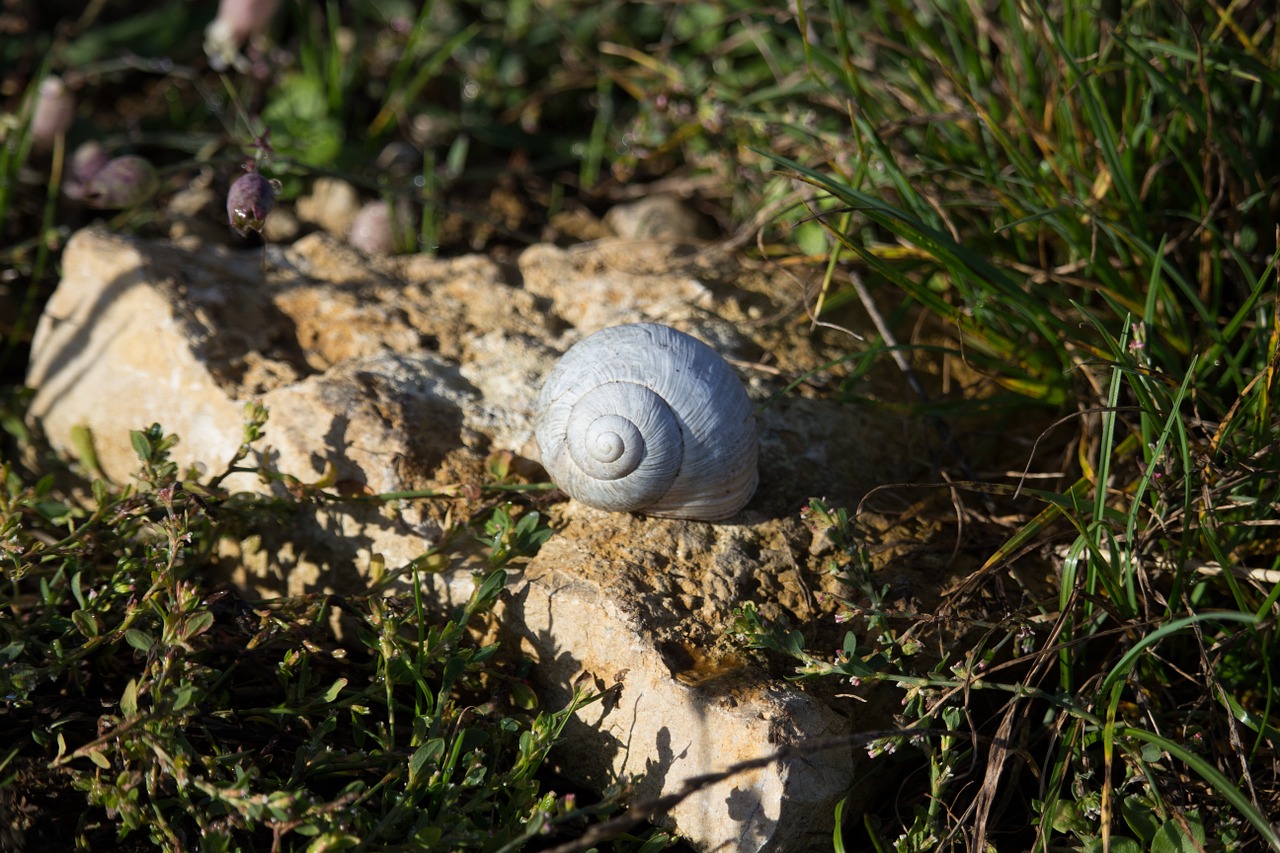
{"x":658,"y":216}
{"x":405,"y":373}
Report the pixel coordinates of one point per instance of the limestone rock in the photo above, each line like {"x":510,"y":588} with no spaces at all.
{"x":281,"y":226}
{"x":609,"y":282}
{"x":192,"y":211}
{"x":332,"y":204}
{"x":691,"y":711}
{"x":405,"y":373}
{"x":119,"y":345}
{"x":658,"y":217}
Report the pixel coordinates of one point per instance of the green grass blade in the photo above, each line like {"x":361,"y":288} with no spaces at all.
{"x":1130,"y":658}
{"x":837,"y":834}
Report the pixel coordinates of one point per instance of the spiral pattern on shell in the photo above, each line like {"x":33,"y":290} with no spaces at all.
{"x":643,"y":418}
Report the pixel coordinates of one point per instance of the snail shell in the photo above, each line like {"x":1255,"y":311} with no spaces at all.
{"x":643,"y":418}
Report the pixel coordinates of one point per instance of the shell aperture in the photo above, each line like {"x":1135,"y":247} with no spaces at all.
{"x":644,"y":418}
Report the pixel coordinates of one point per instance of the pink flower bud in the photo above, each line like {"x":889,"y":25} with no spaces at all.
{"x":55,"y":110}
{"x":245,"y":18}
{"x":237,"y":21}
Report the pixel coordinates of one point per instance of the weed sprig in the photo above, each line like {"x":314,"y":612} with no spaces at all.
{"x":193,"y":717}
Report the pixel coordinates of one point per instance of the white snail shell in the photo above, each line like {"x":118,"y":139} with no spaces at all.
{"x":643,"y":418}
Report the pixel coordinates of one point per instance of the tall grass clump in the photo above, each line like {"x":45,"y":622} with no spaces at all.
{"x":1081,"y":201}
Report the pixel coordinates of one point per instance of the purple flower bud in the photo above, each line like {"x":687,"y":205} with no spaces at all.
{"x":121,"y":182}
{"x":55,"y":110}
{"x":249,"y":201}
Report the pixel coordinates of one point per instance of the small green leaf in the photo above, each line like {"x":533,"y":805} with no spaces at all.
{"x":1066,"y":817}
{"x":141,"y":445}
{"x":129,"y":701}
{"x":197,"y":625}
{"x":498,"y":465}
{"x":55,"y":512}
{"x":523,"y":696}
{"x":426,"y":837}
{"x":657,"y":841}
{"x":811,"y":238}
{"x":429,"y":753}
{"x":86,"y":623}
{"x":186,"y":693}
{"x":488,"y":590}
{"x":140,"y":640}
{"x":335,"y":689}
{"x":100,"y":494}
{"x":1140,"y":818}
{"x":82,"y":447}
{"x":44,"y":487}
{"x":1172,"y":838}
{"x":793,"y":643}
